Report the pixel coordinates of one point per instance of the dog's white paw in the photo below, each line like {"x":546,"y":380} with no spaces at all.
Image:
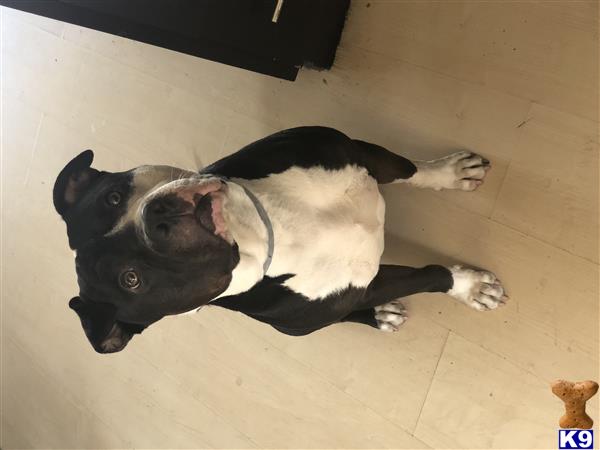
{"x":479,"y":289}
{"x":463,"y":170}
{"x":390,"y":316}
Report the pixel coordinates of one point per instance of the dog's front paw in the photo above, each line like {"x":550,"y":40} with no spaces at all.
{"x":479,"y":289}
{"x":390,"y":316}
{"x":463,"y":170}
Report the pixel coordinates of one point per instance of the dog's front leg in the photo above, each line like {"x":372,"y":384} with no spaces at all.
{"x":478,"y":289}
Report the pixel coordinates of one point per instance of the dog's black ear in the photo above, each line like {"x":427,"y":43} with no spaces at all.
{"x":73,"y":181}
{"x":103,"y":330}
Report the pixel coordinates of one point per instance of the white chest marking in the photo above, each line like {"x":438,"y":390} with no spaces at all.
{"x":328,"y":227}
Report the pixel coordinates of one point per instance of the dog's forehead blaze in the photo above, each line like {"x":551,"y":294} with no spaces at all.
{"x":144,"y":180}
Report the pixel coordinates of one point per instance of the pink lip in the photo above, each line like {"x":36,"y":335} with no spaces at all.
{"x":215,"y":189}
{"x":190,"y":193}
{"x":217,"y":214}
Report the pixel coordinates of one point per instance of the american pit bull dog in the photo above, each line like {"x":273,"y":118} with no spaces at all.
{"x":288,"y":230}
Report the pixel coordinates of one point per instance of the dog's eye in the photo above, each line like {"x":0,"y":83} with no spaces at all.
{"x":130,"y":280}
{"x":113,"y":198}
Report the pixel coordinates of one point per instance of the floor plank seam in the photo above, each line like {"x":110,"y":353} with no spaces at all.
{"x":419,"y":66}
{"x":499,"y":355}
{"x":431,"y":380}
{"x":33,"y":148}
{"x":500,"y":187}
{"x":460,"y":208}
{"x":542,"y":241}
{"x":481,"y":84}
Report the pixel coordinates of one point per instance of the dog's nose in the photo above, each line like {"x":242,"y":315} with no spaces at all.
{"x":163,"y":205}
{"x":157,"y":217}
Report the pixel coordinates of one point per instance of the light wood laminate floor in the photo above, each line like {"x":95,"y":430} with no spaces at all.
{"x":515,"y":81}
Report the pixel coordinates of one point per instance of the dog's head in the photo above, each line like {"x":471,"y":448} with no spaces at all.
{"x":149,"y":242}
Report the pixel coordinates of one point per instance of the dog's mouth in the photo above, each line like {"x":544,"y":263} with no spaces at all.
{"x":186,"y":214}
{"x":208,"y":212}
{"x":207,"y":202}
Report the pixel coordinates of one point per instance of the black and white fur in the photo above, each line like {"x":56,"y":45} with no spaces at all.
{"x":187,"y":239}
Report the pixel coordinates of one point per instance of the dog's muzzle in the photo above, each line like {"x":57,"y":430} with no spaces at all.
{"x":185,"y":215}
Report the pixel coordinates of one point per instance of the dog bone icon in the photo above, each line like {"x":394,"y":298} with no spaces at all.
{"x":574,"y":395}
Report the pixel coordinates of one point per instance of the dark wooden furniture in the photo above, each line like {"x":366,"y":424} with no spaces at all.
{"x":274,"y":37}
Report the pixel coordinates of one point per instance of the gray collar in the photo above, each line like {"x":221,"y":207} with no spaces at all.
{"x":268,"y":225}
{"x":262,"y":213}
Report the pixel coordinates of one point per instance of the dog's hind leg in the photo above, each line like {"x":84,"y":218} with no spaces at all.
{"x":463,"y":170}
{"x":386,"y":317}
{"x":366,"y":316}
{"x":383,"y":165}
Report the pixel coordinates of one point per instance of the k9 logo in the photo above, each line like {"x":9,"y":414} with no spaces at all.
{"x":568,"y":439}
